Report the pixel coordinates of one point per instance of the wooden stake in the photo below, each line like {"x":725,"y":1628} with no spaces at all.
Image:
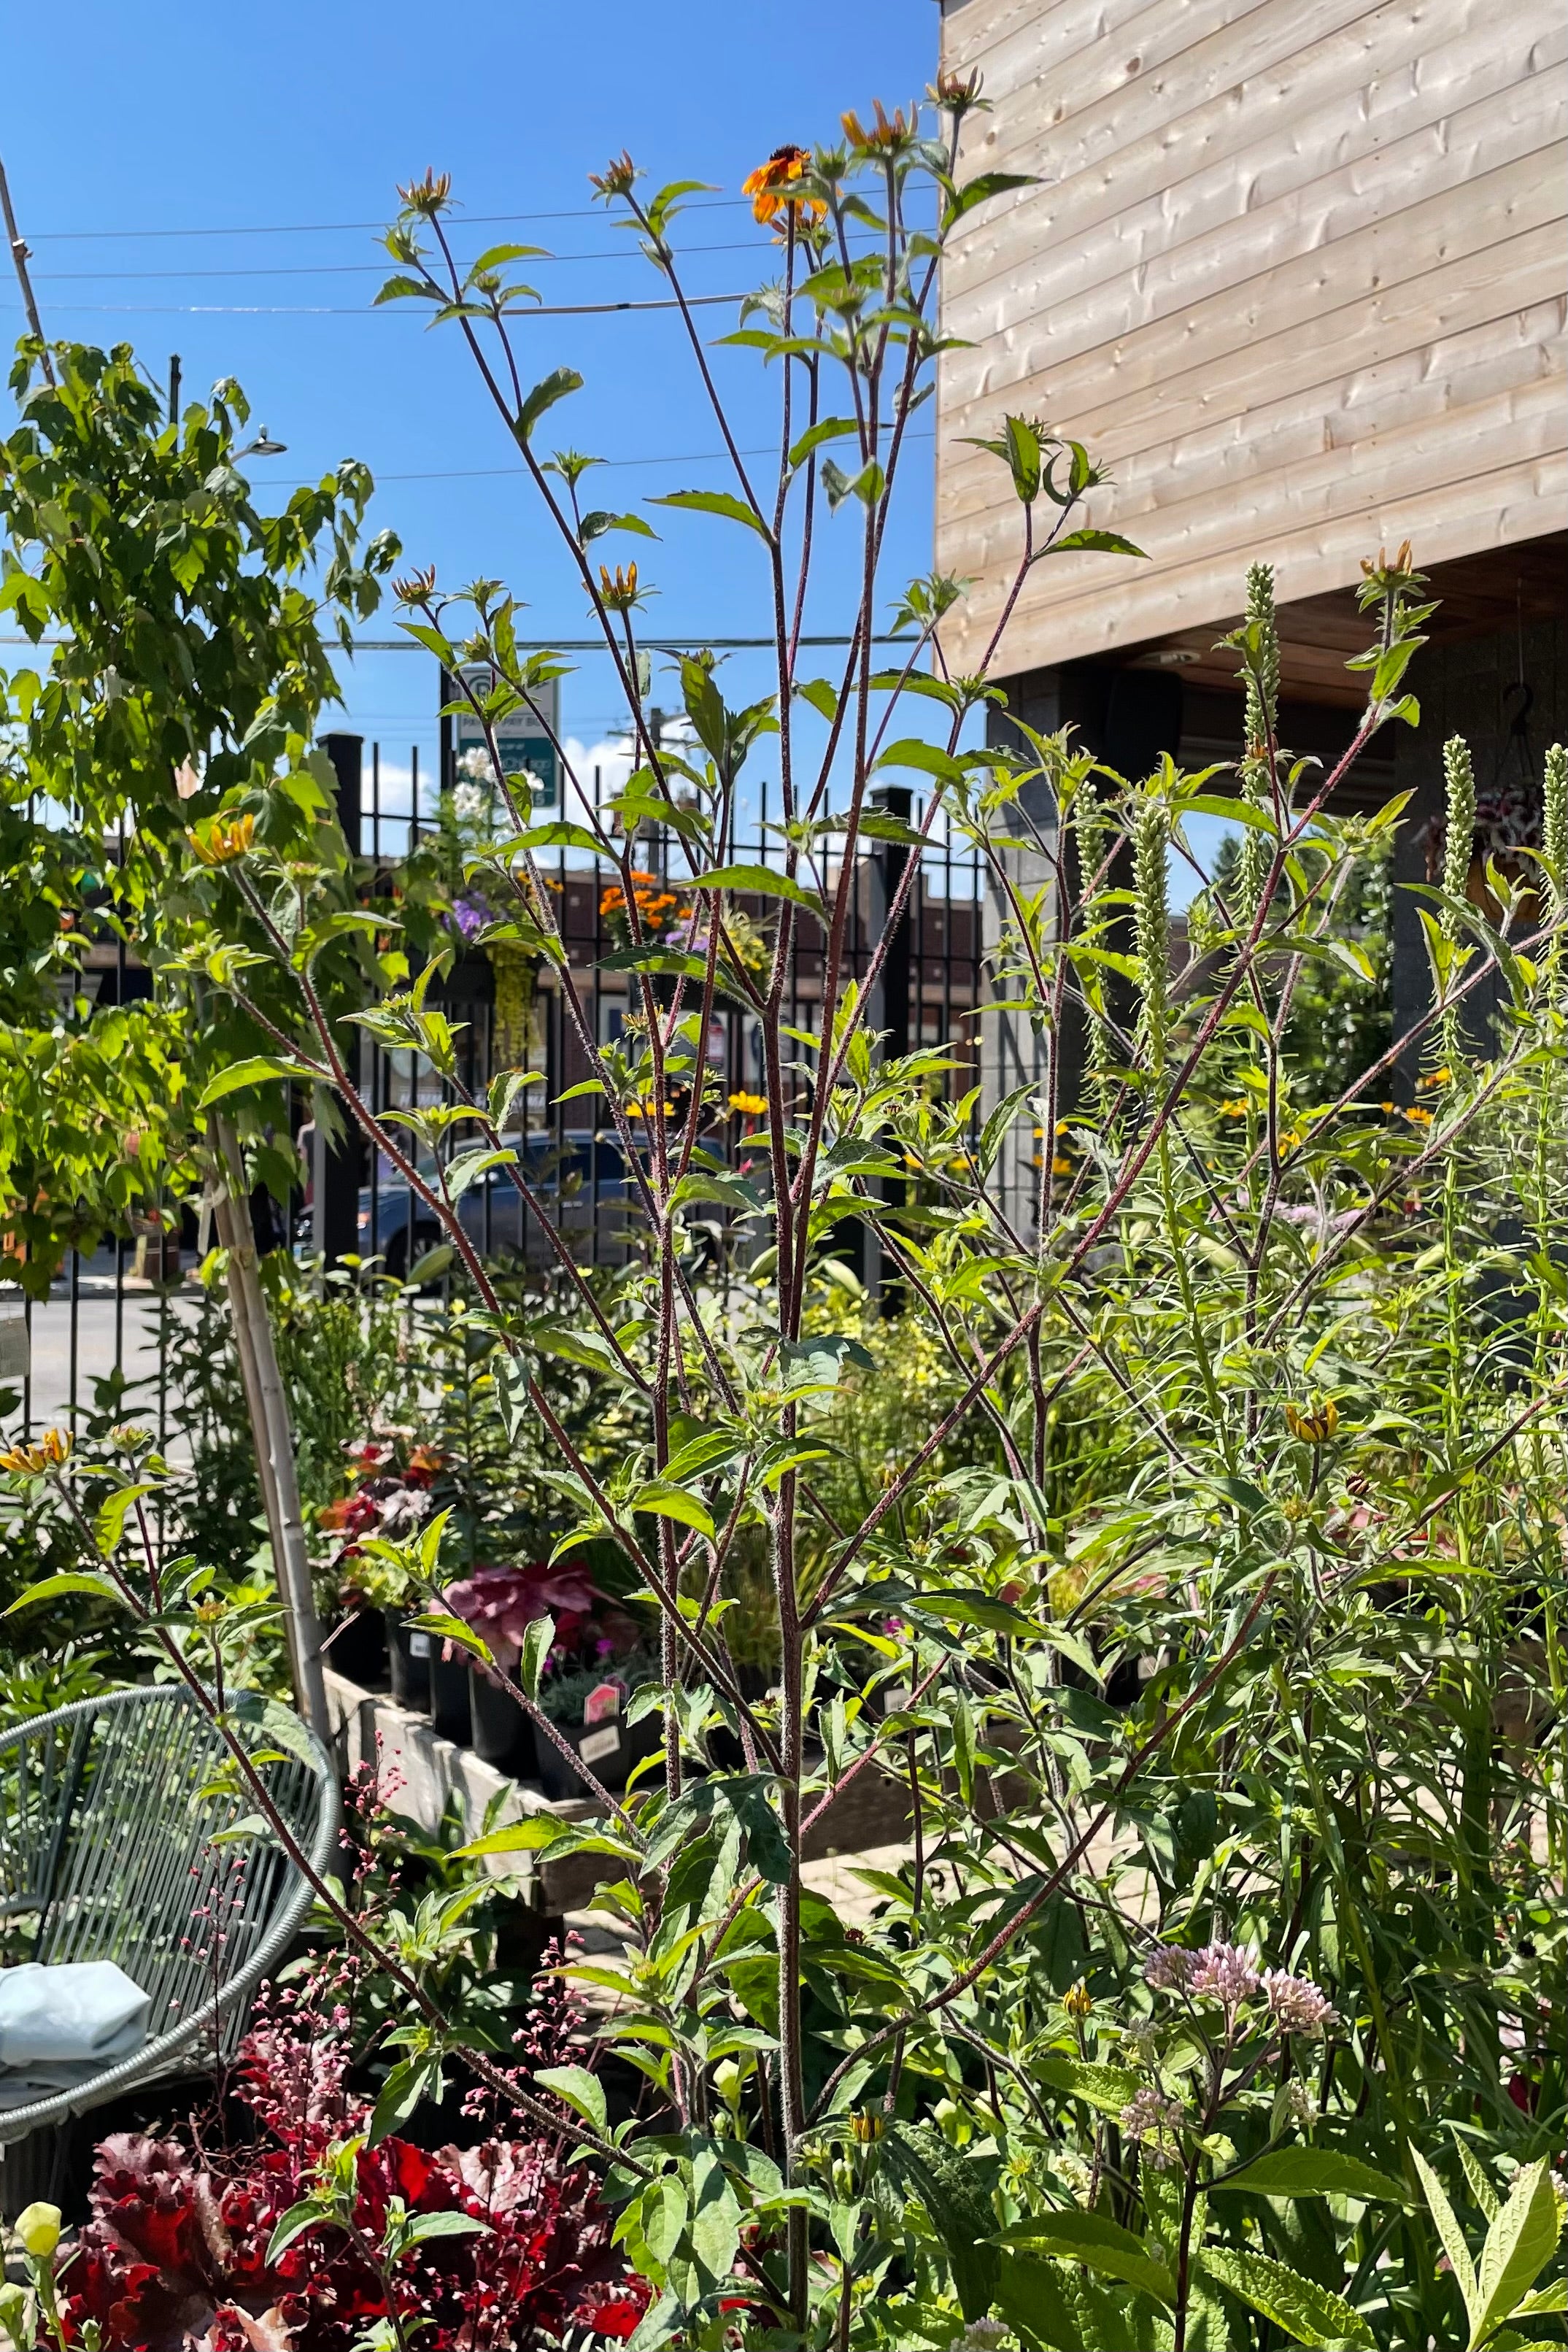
{"x":20,"y":255}
{"x":267,"y":1403}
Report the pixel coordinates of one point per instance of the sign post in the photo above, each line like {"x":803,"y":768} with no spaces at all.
{"x":524,"y":740}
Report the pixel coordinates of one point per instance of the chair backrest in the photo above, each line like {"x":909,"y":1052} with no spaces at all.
{"x":117,"y":1822}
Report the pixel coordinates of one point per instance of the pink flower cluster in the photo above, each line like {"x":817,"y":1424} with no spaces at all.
{"x":1296,"y":2004}
{"x":1154,"y":2122}
{"x":1225,"y":1974}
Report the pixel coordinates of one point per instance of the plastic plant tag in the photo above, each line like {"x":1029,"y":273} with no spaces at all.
{"x":597,"y":1745}
{"x":603,"y":1699}
{"x":419,"y":1645}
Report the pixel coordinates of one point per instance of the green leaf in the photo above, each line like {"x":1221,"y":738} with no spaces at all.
{"x":420,"y":2226}
{"x":762,"y":879}
{"x":1315,"y":2172}
{"x":1100,"y":542}
{"x":1102,"y":2244}
{"x":108,"y":1525}
{"x":53,"y":1588}
{"x":831,"y":428}
{"x":912,"y":751}
{"x":538,"y":1640}
{"x":714,"y":502}
{"x":977,"y":191}
{"x":1452,"y":2236}
{"x":667,"y":1502}
{"x":1109,"y":2088}
{"x":306,"y":2215}
{"x":1309,"y":2313}
{"x":443,"y":1627}
{"x":715,"y":2226}
{"x":594,"y":526}
{"x":551,"y":388}
{"x":258,"y":1070}
{"x":1520,"y":2244}
{"x":956,"y":2192}
{"x":579,"y":2089}
{"x":410,"y":2082}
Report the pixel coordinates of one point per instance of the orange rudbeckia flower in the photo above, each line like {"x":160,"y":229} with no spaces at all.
{"x":768,"y":188}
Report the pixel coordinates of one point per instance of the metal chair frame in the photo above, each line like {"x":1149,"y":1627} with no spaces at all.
{"x":111,"y":1815}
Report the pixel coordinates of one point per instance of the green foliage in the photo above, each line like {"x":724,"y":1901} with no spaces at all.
{"x":1184,"y":1560}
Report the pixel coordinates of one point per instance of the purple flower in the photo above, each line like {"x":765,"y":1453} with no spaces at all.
{"x":1169,"y":1969}
{"x":470,"y":915}
{"x":1225,"y":1973}
{"x":1296,"y":2004}
{"x":1154,"y":2122}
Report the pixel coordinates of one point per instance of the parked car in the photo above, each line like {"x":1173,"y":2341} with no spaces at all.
{"x":578,"y":1178}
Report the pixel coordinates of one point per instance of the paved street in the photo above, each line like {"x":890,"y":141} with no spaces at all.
{"x":65,"y":1364}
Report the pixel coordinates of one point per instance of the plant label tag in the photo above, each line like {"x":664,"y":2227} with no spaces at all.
{"x":598,"y":1745}
{"x":603,"y":1699}
{"x":419,"y":1645}
{"x":896,"y":1697}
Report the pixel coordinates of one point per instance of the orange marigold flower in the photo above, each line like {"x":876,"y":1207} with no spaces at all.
{"x":768,"y":187}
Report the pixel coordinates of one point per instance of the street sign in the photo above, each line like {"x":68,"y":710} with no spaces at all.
{"x":523,"y":740}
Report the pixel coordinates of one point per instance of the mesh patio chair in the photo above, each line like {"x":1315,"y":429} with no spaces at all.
{"x":108,"y":1814}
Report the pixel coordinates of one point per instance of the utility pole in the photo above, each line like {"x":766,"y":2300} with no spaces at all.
{"x":19,"y":257}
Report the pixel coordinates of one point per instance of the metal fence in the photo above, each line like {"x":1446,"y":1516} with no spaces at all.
{"x":113,"y":1315}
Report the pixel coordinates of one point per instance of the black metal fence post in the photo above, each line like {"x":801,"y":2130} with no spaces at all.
{"x":337,"y":1170}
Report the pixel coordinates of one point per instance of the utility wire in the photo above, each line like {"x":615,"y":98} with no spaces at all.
{"x":333,"y":228}
{"x":365,"y":310}
{"x":360,"y":269}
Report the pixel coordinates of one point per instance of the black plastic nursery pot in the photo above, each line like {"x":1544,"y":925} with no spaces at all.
{"x":451,"y":1710}
{"x":609,"y":1749}
{"x":500,"y":1730}
{"x":408,"y":1656}
{"x":357,"y":1649}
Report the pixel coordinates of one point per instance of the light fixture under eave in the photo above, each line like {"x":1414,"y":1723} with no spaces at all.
{"x":1167,"y":657}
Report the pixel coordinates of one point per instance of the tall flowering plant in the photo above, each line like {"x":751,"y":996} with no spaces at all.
{"x":1182,"y":1618}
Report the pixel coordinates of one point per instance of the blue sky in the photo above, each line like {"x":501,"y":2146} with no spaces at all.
{"x":295,"y":124}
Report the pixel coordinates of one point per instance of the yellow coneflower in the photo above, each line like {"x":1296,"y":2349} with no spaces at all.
{"x":618,"y":590}
{"x":886,"y":135}
{"x":618,"y":177}
{"x":1420,"y":1115}
{"x":31,"y":1461}
{"x":1078,"y":2000}
{"x":224,"y":839}
{"x":749,"y":1105}
{"x":1315,"y":1423}
{"x":769,"y":188}
{"x":1060,"y":1167}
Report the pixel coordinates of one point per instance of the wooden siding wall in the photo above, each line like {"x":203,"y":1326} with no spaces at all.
{"x":1295,"y":270}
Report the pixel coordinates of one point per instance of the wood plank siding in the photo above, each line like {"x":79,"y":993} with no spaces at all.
{"x":1295,"y":270}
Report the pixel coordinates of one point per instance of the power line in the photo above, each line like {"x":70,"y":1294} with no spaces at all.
{"x":336,"y":228}
{"x":516,"y":473}
{"x":569,"y":645}
{"x":364,"y":310}
{"x":357,"y":268}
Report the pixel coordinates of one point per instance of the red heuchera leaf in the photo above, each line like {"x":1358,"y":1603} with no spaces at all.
{"x":174,"y":2255}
